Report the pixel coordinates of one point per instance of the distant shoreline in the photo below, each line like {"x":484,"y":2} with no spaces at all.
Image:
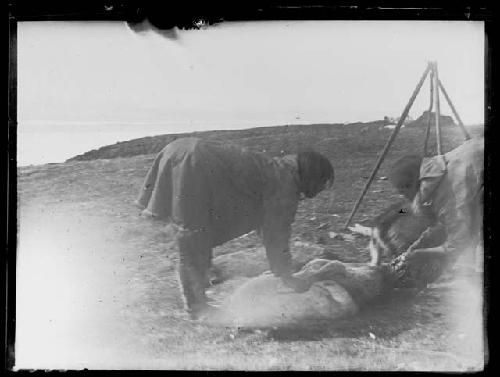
{"x":43,"y":146}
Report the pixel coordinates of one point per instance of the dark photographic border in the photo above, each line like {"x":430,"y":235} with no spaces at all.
{"x":187,"y":16}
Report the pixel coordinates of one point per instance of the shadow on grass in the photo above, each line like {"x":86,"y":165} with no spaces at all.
{"x":398,"y":312}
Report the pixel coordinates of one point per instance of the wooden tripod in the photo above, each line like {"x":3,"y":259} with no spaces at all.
{"x":435,"y":87}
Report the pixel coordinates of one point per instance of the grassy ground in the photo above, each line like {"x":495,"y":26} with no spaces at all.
{"x":97,"y":284}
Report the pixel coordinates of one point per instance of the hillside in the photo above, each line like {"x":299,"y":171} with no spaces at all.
{"x":421,"y":121}
{"x":355,"y":138}
{"x":271,"y":139}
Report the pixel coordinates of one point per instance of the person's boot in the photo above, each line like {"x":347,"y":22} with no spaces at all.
{"x":201,"y":310}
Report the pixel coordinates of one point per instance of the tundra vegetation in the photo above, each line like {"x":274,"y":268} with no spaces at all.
{"x":103,"y":280}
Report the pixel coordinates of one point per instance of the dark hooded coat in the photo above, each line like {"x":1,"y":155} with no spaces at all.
{"x":224,"y":191}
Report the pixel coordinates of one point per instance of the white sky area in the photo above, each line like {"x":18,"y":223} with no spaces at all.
{"x":82,"y":85}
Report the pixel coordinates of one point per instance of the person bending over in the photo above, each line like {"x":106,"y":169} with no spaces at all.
{"x":451,"y":187}
{"x":214,"y":192}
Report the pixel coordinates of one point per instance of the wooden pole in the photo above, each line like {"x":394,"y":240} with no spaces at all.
{"x":460,"y":123}
{"x":438,"y":112}
{"x":389,"y":143}
{"x":429,"y":113}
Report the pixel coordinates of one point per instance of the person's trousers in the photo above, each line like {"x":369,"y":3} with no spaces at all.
{"x":195,"y":254}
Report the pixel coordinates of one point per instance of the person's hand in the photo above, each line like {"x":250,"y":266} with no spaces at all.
{"x":298,"y":285}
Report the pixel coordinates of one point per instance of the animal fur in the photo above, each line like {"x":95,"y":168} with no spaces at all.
{"x":397,"y":228}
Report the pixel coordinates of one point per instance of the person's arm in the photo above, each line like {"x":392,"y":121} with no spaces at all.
{"x":426,"y":253}
{"x":431,"y":238}
{"x":276,"y":232}
{"x":431,"y":242}
{"x":459,"y":208}
{"x":276,"y":235}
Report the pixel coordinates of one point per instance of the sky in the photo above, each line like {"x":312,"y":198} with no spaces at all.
{"x":86,"y":84}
